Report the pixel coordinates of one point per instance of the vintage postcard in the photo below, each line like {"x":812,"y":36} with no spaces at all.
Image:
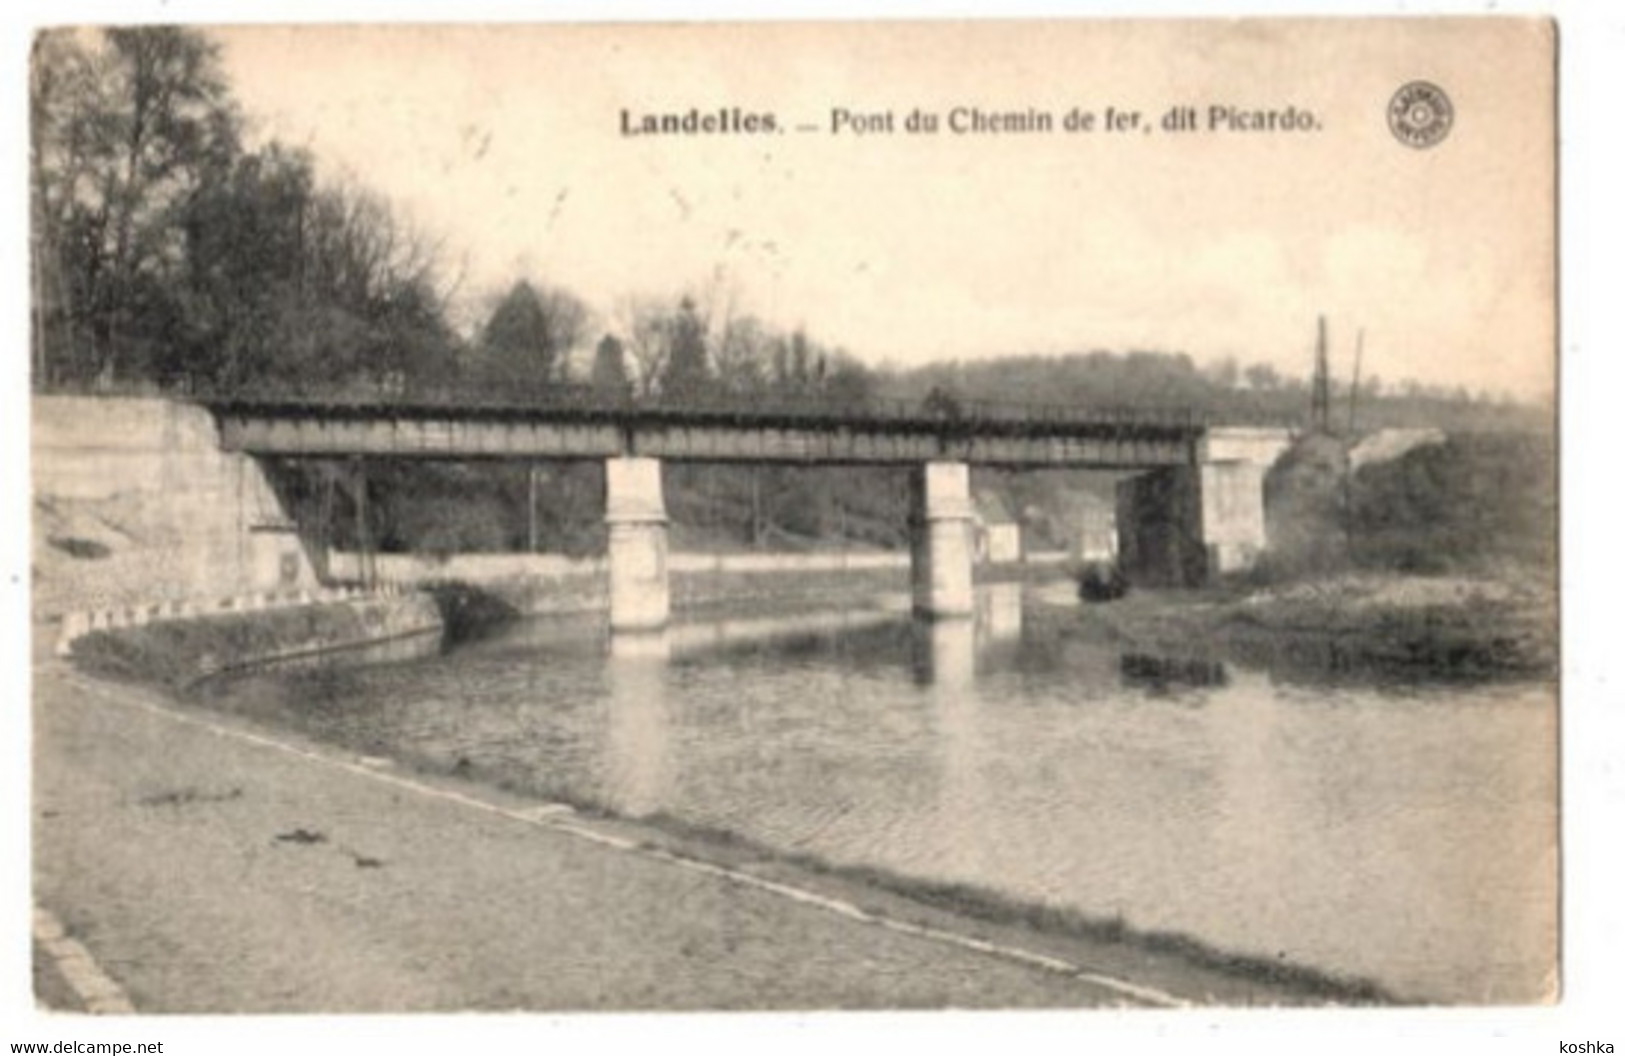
{"x":794,"y":516}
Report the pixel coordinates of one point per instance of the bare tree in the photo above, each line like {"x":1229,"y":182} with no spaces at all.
{"x":647,"y":327}
{"x":743,"y":356}
{"x":128,"y":124}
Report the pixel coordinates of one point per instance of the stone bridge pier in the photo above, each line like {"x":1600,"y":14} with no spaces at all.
{"x":1186,"y":525}
{"x":635,"y":511}
{"x":942,"y":540}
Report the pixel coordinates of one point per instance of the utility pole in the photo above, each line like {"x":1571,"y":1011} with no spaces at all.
{"x":1321,"y":388}
{"x":364,"y":555}
{"x":1348,"y":463}
{"x":756,"y":505}
{"x":327,"y":478}
{"x":532,"y":535}
{"x":1354,"y":389}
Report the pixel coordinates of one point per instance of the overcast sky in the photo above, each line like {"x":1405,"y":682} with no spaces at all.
{"x":507,"y":144}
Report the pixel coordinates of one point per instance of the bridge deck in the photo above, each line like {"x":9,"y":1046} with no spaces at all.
{"x":806,"y":432}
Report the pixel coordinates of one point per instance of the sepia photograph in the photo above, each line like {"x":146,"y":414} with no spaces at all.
{"x":805,"y":516}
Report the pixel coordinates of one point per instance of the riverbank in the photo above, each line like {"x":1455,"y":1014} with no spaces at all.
{"x":1354,"y":625}
{"x":982,"y":907}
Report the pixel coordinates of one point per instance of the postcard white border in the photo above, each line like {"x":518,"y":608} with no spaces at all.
{"x":1592,"y":48}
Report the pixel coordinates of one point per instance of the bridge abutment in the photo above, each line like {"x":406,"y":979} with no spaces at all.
{"x":171,"y":515}
{"x":635,"y":511}
{"x":942,"y":540}
{"x":1186,"y":525}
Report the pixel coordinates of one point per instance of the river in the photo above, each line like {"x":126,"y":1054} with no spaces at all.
{"x":1404,"y":834}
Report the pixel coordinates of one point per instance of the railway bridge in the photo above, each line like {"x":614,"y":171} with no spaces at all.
{"x":1193,"y":507}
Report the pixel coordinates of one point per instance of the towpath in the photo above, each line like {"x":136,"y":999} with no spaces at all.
{"x":205,"y":865}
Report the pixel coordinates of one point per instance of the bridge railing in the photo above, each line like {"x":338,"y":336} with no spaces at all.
{"x":937,"y":411}
{"x":585,"y":402}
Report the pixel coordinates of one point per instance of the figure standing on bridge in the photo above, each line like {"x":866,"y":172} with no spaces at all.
{"x":940,"y":403}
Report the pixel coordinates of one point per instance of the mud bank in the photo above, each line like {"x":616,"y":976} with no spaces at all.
{"x":1446,"y":627}
{"x":178,"y":653}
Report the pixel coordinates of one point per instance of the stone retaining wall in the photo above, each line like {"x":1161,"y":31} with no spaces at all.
{"x":183,"y":649}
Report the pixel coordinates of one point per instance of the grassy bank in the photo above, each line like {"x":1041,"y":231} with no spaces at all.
{"x":1387,"y":624}
{"x":979,"y":903}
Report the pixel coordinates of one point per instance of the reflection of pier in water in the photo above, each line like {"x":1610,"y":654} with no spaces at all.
{"x":638,"y":767}
{"x":639,"y":771}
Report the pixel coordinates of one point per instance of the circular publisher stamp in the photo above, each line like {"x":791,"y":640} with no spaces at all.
{"x":1420,"y":114}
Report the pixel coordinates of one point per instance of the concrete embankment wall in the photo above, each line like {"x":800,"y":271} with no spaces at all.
{"x":181,"y":651}
{"x":135,"y":504}
{"x":549,"y":583}
{"x":536,"y":584}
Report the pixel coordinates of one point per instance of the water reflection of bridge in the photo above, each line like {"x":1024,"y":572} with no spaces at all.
{"x":1196,"y":506}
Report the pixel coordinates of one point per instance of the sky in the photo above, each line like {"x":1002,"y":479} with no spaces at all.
{"x":505,"y":144}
